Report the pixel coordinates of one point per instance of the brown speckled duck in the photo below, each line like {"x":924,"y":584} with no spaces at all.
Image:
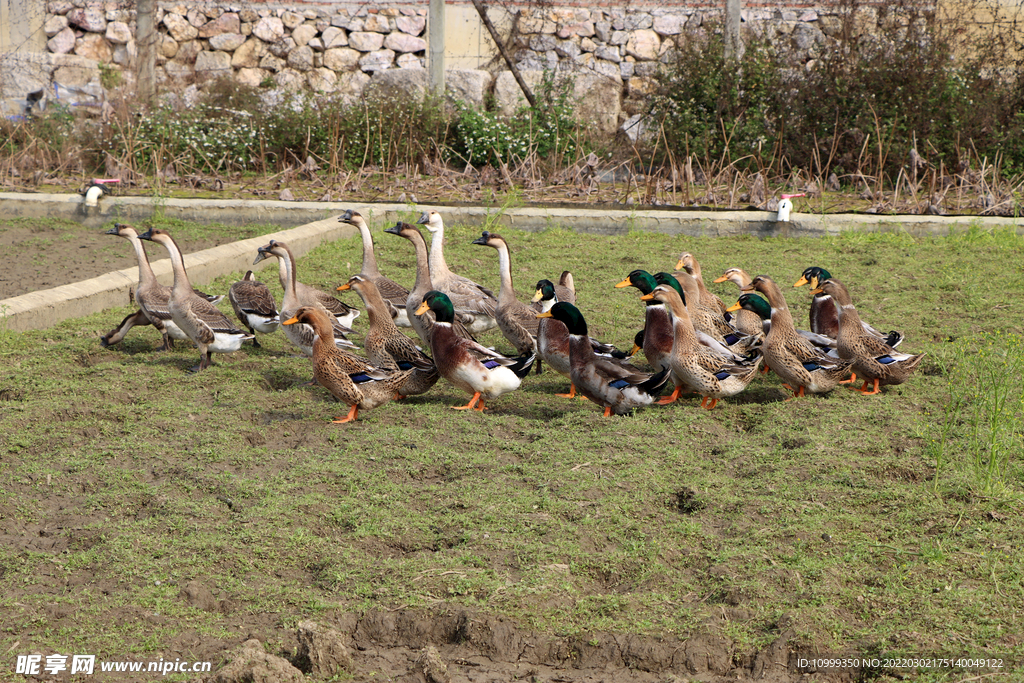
{"x":386,"y":346}
{"x":800,"y":364}
{"x":350,"y":379}
{"x":254,"y":305}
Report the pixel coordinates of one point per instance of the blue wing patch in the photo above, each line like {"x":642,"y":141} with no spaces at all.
{"x":360,"y":378}
{"x":619,"y":384}
{"x":721,"y":375}
{"x":885,"y":360}
{"x":491,"y":364}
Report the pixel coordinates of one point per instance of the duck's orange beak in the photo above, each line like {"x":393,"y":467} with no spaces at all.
{"x":721,"y":279}
{"x":735,"y":307}
{"x":801,"y":282}
{"x":624,"y":283}
{"x":424,"y":307}
{"x":647,"y":297}
{"x":546,"y":314}
{"x":679,"y":265}
{"x":291,"y":321}
{"x":343,"y":287}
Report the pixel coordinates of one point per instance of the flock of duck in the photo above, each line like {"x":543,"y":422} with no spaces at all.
{"x":689,"y":335}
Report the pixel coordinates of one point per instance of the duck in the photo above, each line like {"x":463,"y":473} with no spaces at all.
{"x":657,"y":332}
{"x":476,"y":305}
{"x":386,"y":346}
{"x":801,"y":365}
{"x":422,"y":324}
{"x":688,"y":262}
{"x":694,"y":365}
{"x":457,"y":358}
{"x":617,"y":388}
{"x":711,"y":328}
{"x":732,"y":346}
{"x":517,"y":321}
{"x":553,"y":338}
{"x":205,"y":325}
{"x":565,"y":289}
{"x":350,"y":379}
{"x":152,"y":297}
{"x":824,"y":311}
{"x":745,"y":321}
{"x":874,"y":360}
{"x":297,"y":295}
{"x":254,"y":305}
{"x":393,"y":293}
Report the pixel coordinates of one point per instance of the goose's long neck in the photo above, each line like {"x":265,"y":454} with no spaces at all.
{"x":507,"y":293}
{"x":438,"y":267}
{"x":181,"y":283}
{"x":286,"y":272}
{"x":376,"y":308}
{"x":369,"y":259}
{"x":423,"y":283}
{"x":146,"y":276}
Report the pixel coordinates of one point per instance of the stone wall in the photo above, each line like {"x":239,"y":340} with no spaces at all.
{"x":344,"y":49}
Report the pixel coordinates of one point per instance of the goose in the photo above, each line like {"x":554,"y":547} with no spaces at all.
{"x":476,"y":305}
{"x":254,"y":305}
{"x":350,"y":379}
{"x":422,"y":324}
{"x":297,"y":295}
{"x":393,"y":293}
{"x":517,"y":321}
{"x":207,"y":327}
{"x":153,"y":298}
{"x":385,"y":345}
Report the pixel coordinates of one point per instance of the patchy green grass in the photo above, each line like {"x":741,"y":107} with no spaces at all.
{"x":862,"y":524}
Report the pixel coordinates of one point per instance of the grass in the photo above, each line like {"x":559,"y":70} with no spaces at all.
{"x":836,"y":518}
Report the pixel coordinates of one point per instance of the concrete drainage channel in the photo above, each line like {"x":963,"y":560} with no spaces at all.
{"x":317,"y":222}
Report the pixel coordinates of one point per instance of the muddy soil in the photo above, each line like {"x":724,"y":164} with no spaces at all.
{"x":45,"y":254}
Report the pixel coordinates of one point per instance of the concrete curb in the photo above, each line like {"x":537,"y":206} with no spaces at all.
{"x":318,"y":222}
{"x":606,"y":221}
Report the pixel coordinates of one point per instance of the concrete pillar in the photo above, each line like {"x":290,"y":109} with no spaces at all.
{"x":435,"y":44}
{"x":23,"y":64}
{"x":21,"y":25}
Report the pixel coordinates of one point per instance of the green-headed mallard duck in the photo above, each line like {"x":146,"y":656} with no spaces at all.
{"x":476,"y":305}
{"x":657,"y":332}
{"x":456,"y":357}
{"x":254,"y":305}
{"x":824,"y":312}
{"x":349,"y":378}
{"x":694,"y":365}
{"x":394,"y":294}
{"x":553,"y":337}
{"x":800,"y":364}
{"x":618,"y":388}
{"x":205,"y":325}
{"x":874,"y":360}
{"x":386,"y":346}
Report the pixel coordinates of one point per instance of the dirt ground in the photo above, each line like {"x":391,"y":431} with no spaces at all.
{"x":46,"y":254}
